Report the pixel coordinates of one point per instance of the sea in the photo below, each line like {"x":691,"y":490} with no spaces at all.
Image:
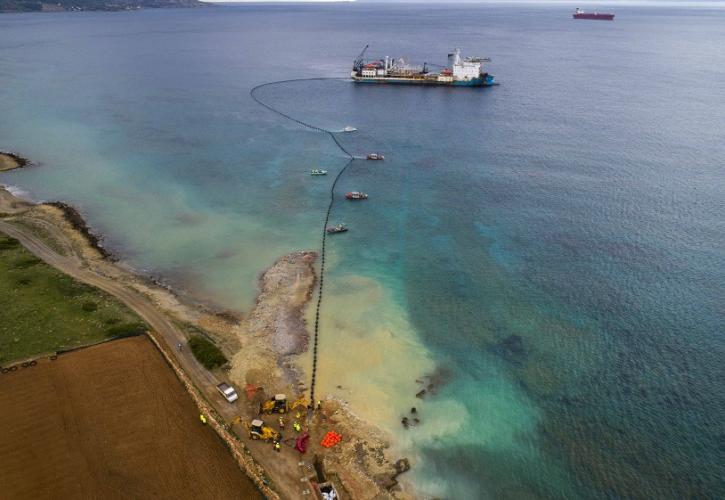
{"x":538,"y":269}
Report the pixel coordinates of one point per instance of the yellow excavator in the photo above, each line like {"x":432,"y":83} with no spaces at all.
{"x":278,"y":404}
{"x":257,"y":430}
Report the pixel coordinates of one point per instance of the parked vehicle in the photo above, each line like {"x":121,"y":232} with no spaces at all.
{"x":229,"y":393}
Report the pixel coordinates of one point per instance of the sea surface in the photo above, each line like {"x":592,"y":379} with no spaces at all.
{"x":549,"y":254}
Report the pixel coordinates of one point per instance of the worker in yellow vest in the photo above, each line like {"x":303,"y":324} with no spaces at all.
{"x":277,"y":446}
{"x":202,"y":418}
{"x":297,"y":426}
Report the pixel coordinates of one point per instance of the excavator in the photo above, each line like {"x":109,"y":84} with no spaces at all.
{"x":278,"y":404}
{"x":257,"y":430}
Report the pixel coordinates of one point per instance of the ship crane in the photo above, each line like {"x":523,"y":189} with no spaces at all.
{"x":358,"y":64}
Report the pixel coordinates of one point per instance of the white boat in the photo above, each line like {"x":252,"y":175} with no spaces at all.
{"x":349,"y":129}
{"x":318,"y":172}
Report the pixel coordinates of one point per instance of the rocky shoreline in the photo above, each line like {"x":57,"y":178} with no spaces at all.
{"x":261,"y":345}
{"x":11,"y":161}
{"x":76,"y":220}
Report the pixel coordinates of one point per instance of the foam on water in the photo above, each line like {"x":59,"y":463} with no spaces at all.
{"x":368,"y":348}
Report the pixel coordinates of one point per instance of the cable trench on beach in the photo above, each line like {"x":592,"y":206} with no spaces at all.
{"x":351,"y":159}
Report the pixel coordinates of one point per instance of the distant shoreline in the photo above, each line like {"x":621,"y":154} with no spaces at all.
{"x":17,"y":6}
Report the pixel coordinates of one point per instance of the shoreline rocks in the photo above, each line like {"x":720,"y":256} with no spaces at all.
{"x":11,"y":161}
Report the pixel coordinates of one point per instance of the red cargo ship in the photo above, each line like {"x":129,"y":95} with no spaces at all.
{"x":580,"y":14}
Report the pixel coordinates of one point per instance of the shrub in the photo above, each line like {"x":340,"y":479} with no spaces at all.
{"x":68,"y":287}
{"x":126,"y":330}
{"x":89,"y":306}
{"x":206,"y":352}
{"x":7,"y":243}
{"x":26,"y":262}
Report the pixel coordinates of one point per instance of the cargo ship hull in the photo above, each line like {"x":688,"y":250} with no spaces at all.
{"x":594,"y":16}
{"x":487,"y":81}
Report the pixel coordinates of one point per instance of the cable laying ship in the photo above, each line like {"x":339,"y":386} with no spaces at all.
{"x":462,"y":72}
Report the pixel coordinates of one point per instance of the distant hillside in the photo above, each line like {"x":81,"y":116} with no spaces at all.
{"x":79,"y":5}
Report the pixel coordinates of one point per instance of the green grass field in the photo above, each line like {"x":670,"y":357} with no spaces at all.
{"x":42,"y":310}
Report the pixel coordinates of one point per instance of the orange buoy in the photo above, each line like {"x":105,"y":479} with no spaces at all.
{"x":331,"y":439}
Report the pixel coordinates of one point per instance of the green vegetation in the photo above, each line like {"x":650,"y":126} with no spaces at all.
{"x":206,"y":352}
{"x":79,"y":5}
{"x":42,"y":310}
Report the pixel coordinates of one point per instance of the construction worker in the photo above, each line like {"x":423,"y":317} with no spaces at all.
{"x":277,"y":446}
{"x":202,"y":418}
{"x":281,"y":423}
{"x":297,"y":426}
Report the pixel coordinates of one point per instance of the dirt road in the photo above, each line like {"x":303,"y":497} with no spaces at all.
{"x":283,"y":468}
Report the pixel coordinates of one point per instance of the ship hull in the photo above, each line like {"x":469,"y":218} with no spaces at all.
{"x":477,"y":82}
{"x":594,"y":17}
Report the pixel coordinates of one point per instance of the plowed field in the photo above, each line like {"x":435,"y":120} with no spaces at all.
{"x":109,"y":421}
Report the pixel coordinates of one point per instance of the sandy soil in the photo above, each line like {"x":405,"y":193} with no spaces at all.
{"x":109,"y":421}
{"x":260,"y":346}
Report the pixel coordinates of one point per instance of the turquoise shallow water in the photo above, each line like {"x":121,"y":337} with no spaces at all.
{"x":552,"y":248}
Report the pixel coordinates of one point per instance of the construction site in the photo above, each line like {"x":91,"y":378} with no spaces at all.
{"x":143,"y":416}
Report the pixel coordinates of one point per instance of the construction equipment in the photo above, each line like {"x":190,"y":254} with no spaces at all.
{"x":301,"y":402}
{"x":278,"y":404}
{"x":358,"y":64}
{"x":257,"y":430}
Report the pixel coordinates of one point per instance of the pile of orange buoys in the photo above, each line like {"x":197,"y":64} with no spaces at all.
{"x":331,"y":439}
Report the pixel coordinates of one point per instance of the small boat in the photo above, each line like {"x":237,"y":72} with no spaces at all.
{"x":338,"y":228}
{"x":349,"y":129}
{"x":356,"y":195}
{"x":318,"y":172}
{"x":375,"y":156}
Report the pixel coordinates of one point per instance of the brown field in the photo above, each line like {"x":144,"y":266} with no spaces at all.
{"x":109,"y":421}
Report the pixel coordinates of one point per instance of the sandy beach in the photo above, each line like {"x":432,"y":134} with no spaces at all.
{"x":263,"y":347}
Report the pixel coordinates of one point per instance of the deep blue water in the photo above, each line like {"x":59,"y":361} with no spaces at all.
{"x":557,"y":243}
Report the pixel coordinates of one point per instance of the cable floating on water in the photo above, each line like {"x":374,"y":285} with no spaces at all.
{"x":329,"y":206}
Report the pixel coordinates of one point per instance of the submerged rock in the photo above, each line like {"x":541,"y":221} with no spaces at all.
{"x":511,"y":348}
{"x":402,"y":465}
